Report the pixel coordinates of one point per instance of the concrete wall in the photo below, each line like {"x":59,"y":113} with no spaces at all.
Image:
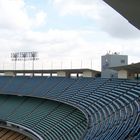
{"x":122,"y":74}
{"x":108,"y":73}
{"x":88,"y":74}
{"x":61,"y":74}
{"x":9,"y":74}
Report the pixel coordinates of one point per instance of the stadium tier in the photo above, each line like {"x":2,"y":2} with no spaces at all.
{"x":49,"y":119}
{"x":72,"y":108}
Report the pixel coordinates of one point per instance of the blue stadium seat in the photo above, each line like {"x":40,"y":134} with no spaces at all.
{"x":112,"y":106}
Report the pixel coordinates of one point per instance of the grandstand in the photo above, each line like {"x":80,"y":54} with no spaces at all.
{"x":44,"y":119}
{"x":71,"y":108}
{"x":85,"y":107}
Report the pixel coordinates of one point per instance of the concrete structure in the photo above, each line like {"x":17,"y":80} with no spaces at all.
{"x":61,"y":74}
{"x":89,"y":73}
{"x":131,"y":71}
{"x":112,"y":60}
{"x":122,"y":74}
{"x":9,"y":73}
{"x":129,"y":9}
{"x":56,"y":72}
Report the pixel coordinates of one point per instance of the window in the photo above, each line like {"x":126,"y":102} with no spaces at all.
{"x":122,"y":61}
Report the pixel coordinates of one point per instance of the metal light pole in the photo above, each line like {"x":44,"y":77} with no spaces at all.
{"x":34,"y":57}
{"x":24,"y":55}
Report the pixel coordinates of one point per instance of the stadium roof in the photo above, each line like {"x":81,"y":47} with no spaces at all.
{"x":50,"y":71}
{"x":64,"y":72}
{"x":130,"y":9}
{"x":134,"y":68}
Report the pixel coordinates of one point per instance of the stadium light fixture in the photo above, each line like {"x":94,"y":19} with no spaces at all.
{"x":25,"y":56}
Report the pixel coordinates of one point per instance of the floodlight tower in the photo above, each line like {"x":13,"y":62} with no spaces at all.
{"x":24,"y":56}
{"x":14,"y":57}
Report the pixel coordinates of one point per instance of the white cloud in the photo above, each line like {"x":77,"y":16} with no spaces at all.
{"x":116,"y":25}
{"x":105,"y":17}
{"x":70,"y":45}
{"x":40,"y":19}
{"x":78,"y":7}
{"x":57,"y":45}
{"x":13,"y":15}
{"x":64,"y":46}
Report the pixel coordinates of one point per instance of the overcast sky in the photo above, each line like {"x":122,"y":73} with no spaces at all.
{"x":66,"y":33}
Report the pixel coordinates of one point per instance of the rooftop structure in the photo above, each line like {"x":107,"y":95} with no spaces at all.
{"x":112,"y":60}
{"x":131,"y":71}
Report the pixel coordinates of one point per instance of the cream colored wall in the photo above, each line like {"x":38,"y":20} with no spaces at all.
{"x":9,"y":74}
{"x":88,"y":74}
{"x":122,"y":74}
{"x":61,"y":74}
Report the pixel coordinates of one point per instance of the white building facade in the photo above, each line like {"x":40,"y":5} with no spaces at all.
{"x":112,"y":60}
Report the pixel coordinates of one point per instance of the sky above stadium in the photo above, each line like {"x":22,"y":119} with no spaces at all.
{"x":65,"y":33}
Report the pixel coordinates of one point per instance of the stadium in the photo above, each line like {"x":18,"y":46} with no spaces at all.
{"x":92,"y":105}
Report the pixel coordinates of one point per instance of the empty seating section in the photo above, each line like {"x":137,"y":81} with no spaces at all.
{"x":43,"y":116}
{"x":48,"y":84}
{"x":112,"y":106}
{"x":30,"y":85}
{"x":39,"y":113}
{"x":4,"y":81}
{"x":74,"y":88}
{"x":14,"y":84}
{"x":49,"y":125}
{"x":9,"y":106}
{"x":61,"y":87}
{"x":24,"y":109}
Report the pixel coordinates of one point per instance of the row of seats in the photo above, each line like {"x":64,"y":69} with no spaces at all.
{"x":112,"y":105}
{"x":49,"y":119}
{"x":113,"y":96}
